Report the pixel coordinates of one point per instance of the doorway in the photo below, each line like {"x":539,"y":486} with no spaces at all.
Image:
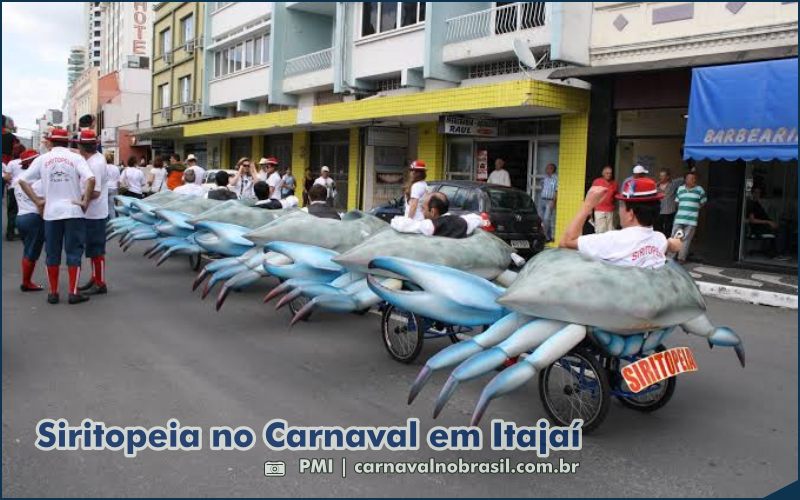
{"x":331,"y":149}
{"x":515,"y":154}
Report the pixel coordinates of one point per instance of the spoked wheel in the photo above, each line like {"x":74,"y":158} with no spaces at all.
{"x":576,"y":386}
{"x":195,"y":260}
{"x":650,"y":399}
{"x":297,"y":303}
{"x":402,"y":334}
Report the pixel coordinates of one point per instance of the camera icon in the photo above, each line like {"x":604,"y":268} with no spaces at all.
{"x":274,"y":469}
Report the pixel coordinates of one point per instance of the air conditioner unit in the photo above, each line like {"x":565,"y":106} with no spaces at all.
{"x":168,"y":57}
{"x":189,"y":47}
{"x":188,"y":109}
{"x":166,"y":114}
{"x":138,"y":62}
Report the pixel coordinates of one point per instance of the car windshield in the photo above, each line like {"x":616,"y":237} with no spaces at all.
{"x":509,"y":199}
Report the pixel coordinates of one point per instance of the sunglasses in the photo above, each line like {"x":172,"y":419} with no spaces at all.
{"x":245,"y":164}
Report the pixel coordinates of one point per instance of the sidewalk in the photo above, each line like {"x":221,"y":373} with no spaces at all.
{"x":743,"y":285}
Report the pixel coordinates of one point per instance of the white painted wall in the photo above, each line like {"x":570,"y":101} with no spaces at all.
{"x":390,"y":53}
{"x":494,"y":47}
{"x":252,"y":84}
{"x":713,"y":29}
{"x":309,"y":82}
{"x":237,"y":15}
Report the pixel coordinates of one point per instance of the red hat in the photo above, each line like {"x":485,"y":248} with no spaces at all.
{"x":87,"y":136}
{"x":58,"y":134}
{"x":418,"y":165}
{"x":641,"y":189}
{"x":272,"y":160}
{"x":28,"y":155}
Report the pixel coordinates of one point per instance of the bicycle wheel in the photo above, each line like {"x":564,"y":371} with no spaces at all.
{"x":576,"y":386}
{"x":402,"y":334}
{"x":652,"y":398}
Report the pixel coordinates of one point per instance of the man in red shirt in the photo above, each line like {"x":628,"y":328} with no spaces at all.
{"x":604,"y":212}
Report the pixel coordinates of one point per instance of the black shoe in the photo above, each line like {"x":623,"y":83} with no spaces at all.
{"x":52,"y":298}
{"x":89,"y":284}
{"x":96,"y":290}
{"x":76,"y":298}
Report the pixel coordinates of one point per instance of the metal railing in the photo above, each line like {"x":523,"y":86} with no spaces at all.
{"x":495,"y":21}
{"x":309,"y":62}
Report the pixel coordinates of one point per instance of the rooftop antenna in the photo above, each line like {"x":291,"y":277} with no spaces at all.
{"x":527,"y":61}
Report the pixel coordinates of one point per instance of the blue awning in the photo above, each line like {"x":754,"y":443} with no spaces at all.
{"x":743,"y":112}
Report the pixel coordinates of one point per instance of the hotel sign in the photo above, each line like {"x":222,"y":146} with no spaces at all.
{"x":140,"y":28}
{"x":461,"y":125}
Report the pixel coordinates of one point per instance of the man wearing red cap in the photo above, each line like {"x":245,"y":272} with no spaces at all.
{"x":96,"y":214}
{"x":31,"y":227}
{"x":62,"y":173}
{"x":636,"y":244}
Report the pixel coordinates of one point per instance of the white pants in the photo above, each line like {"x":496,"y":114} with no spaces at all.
{"x":603,"y":222}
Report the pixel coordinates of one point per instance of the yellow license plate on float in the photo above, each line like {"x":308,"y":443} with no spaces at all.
{"x":657,"y":367}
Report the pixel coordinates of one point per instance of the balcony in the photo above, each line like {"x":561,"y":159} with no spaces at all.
{"x":488,"y":34}
{"x":307,"y":63}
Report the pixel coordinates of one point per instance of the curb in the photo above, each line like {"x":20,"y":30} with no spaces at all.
{"x":748,"y":295}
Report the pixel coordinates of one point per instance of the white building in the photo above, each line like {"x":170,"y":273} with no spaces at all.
{"x":94,"y":32}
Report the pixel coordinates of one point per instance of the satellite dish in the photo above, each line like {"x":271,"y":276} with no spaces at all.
{"x":527,"y":61}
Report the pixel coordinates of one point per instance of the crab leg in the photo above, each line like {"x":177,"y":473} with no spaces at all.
{"x":721,"y":336}
{"x":513,"y":377}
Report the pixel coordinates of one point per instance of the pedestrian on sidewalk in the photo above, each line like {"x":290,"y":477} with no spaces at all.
{"x":604,"y":211}
{"x":308,"y":182}
{"x":31,"y":226}
{"x":669,"y":188}
{"x":199,"y":172}
{"x":175,"y":171}
{"x":547,"y":199}
{"x":132,"y":179}
{"x":273,"y":178}
{"x":11,"y":173}
{"x":499,"y":175}
{"x":690,"y":198}
{"x":190,"y":187}
{"x":62,"y":173}
{"x":96,"y":214}
{"x":242,"y":183}
{"x":157,"y":180}
{"x":113,"y":175}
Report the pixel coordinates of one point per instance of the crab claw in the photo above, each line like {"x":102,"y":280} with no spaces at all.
{"x":526,"y":338}
{"x":307,"y":261}
{"x":341,"y":303}
{"x":186,"y":248}
{"x":201,"y":277}
{"x":446,"y":294}
{"x":238,"y":282}
{"x":721,"y":336}
{"x":514,"y":376}
{"x":290,"y":296}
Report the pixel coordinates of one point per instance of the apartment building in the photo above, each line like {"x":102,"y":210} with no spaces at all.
{"x":643,"y":57}
{"x":93,"y":14}
{"x":178,"y":72}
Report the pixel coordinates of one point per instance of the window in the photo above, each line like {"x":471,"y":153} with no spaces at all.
{"x":164,"y":97}
{"x":238,"y":57}
{"x":380,"y":17}
{"x":165,"y":41}
{"x":215,"y":6}
{"x":96,"y":33}
{"x":187,"y":28}
{"x":265,"y":52}
{"x":248,"y":53}
{"x":185,"y":84}
{"x":97,"y":24}
{"x":259,"y":42}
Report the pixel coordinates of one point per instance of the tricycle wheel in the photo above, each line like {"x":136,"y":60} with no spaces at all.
{"x":402,"y":334}
{"x":297,"y":303}
{"x":195,"y":260}
{"x":576,"y":386}
{"x":652,"y":398}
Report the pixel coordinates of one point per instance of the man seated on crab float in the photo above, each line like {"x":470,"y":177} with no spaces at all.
{"x":636,"y":244}
{"x":438,"y":221}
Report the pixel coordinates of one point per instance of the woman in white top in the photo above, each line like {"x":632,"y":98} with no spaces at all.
{"x":133,"y":180}
{"x":414,"y":190}
{"x":112,"y":174}
{"x":157,"y":180}
{"x":242,"y":183}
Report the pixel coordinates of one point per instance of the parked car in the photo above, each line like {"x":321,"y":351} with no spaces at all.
{"x":510,"y":211}
{"x":210,"y":182}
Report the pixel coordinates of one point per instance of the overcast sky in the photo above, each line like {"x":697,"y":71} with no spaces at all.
{"x":36,"y":41}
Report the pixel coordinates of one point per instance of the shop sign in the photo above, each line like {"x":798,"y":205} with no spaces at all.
{"x":461,"y":125}
{"x":387,"y":137}
{"x":482,"y":167}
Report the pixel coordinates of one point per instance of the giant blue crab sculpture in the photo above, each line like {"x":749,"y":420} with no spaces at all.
{"x":559,"y":300}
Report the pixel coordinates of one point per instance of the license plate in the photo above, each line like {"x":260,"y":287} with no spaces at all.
{"x":657,"y":367}
{"x":520,"y":244}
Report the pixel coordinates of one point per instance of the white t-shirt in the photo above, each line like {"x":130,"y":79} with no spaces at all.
{"x":14,"y":167}
{"x":418,"y":190}
{"x":133,"y":178}
{"x":500,"y":177}
{"x":244,"y":188}
{"x":112,"y":173}
{"x":199,"y":173}
{"x":24,"y":204}
{"x":62,"y":173}
{"x":634,"y":246}
{"x":159,"y":180}
{"x":190,"y":190}
{"x":329,"y":185}
{"x":98,"y":207}
{"x":273,"y":181}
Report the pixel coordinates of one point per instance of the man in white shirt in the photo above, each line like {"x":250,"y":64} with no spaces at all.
{"x":62,"y":173}
{"x":96,"y":214}
{"x":133,"y":180}
{"x":31,"y":227}
{"x":499,"y":175}
{"x":11,"y":172}
{"x":328,"y":183}
{"x":112,"y":174}
{"x":190,"y":187}
{"x":199,"y":172}
{"x":636,"y":244}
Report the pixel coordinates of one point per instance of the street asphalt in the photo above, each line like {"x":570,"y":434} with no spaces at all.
{"x":151,"y":350}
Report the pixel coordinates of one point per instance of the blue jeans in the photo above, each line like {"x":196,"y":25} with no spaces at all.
{"x":31,"y":228}
{"x":95,"y":237}
{"x":547,"y":212}
{"x":68,"y":235}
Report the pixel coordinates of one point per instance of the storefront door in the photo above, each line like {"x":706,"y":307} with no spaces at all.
{"x":516,"y":155}
{"x":332,"y":149}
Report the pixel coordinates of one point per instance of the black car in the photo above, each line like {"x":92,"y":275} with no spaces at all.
{"x":511,"y":211}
